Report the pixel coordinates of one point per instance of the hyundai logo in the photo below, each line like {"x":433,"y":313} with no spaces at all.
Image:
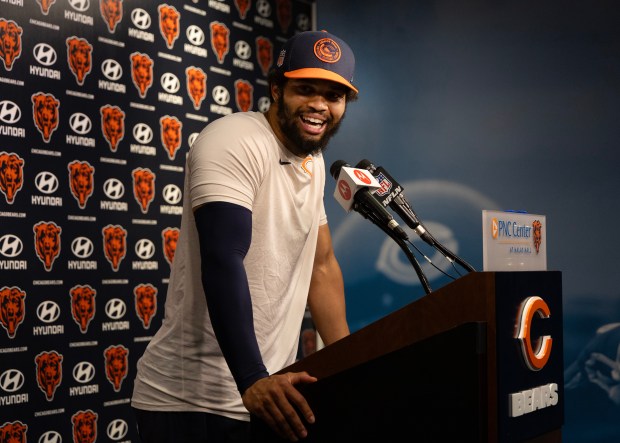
{"x":115,"y":308}
{"x":80,"y":5}
{"x":170,"y":83}
{"x":145,"y":249}
{"x":263,"y":7}
{"x":113,"y":188}
{"x":83,"y":372}
{"x":117,"y":429}
{"x":80,"y":123}
{"x":140,"y":18}
{"x":11,"y":245}
{"x":50,"y":437}
{"x":172,"y":194}
{"x":46,"y":182}
{"x":112,"y":69}
{"x":9,"y":112}
{"x":82,"y":247}
{"x":195,"y":35}
{"x":243,"y":50}
{"x":11,"y":380}
{"x":142,"y":133}
{"x":48,"y":311}
{"x":220,"y":95}
{"x":192,"y":138}
{"x":44,"y":54}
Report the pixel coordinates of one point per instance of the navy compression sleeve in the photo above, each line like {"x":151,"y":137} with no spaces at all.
{"x":225,"y":232}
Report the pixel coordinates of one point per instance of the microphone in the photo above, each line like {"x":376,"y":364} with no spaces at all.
{"x":352,"y":192}
{"x":391,"y":194}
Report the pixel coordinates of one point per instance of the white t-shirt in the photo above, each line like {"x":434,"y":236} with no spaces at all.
{"x":236,"y":159}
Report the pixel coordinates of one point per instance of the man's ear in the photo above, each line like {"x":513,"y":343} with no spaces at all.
{"x":275,"y":92}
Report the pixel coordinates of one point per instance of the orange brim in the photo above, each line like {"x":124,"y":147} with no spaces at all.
{"x":320,"y":73}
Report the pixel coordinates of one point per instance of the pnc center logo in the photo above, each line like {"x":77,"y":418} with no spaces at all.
{"x":494,"y":228}
{"x":535,"y":354}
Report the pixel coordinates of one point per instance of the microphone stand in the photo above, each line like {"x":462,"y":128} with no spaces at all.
{"x":362,"y":210}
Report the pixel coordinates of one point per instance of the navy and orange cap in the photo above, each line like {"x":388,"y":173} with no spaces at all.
{"x":317,"y":54}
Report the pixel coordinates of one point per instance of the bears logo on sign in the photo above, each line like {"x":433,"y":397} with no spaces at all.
{"x":45,"y":114}
{"x":111,"y":12}
{"x":170,"y":135}
{"x":143,"y":187}
{"x":79,"y":57}
{"x":13,"y":432}
{"x":112,"y":125}
{"x":141,"y":72}
{"x":537,"y":228}
{"x":170,"y":237}
{"x":114,"y":244}
{"x":196,"y":85}
{"x":82,"y":305}
{"x":284,"y":13}
{"x":47,"y":243}
{"x":10,"y":42}
{"x":49,"y":372}
{"x":81,"y":181}
{"x":219,"y":40}
{"x":84,"y":426}
{"x":11,"y":175}
{"x":12,"y":309}
{"x":116,"y":363}
{"x":243,"y":95}
{"x":264,"y":52}
{"x":243,"y":6}
{"x":169,"y":19}
{"x":146,"y":303}
{"x":45,"y":5}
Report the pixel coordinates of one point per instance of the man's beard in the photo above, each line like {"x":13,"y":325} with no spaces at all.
{"x":301,"y":145}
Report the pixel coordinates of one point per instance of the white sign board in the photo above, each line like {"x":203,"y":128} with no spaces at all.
{"x":514,"y":241}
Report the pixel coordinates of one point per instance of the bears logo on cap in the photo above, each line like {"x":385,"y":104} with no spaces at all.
{"x":327,"y":50}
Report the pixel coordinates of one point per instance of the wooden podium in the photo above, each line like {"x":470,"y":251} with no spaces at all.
{"x":479,"y":360}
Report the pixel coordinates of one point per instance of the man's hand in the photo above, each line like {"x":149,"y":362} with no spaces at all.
{"x":275,"y":400}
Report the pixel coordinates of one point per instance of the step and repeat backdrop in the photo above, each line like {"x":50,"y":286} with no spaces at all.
{"x":99,"y":102}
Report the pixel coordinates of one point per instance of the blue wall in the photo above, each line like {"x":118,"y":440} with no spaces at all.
{"x":476,"y":105}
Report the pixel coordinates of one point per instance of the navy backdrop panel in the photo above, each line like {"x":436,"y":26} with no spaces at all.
{"x":99,"y":102}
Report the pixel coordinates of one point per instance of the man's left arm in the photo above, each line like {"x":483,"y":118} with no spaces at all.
{"x":326,"y":296}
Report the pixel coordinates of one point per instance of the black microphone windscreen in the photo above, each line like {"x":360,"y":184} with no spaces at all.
{"x":364,"y":164}
{"x":335,"y":168}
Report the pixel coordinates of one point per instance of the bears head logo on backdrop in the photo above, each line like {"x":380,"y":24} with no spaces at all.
{"x":143,"y":187}
{"x":170,"y":237}
{"x":45,"y":114}
{"x":169,"y":19}
{"x":111,"y":12}
{"x":11,"y":175}
{"x":10,"y":42}
{"x":243,"y":95}
{"x":537,"y":228}
{"x":284,"y":12}
{"x":13,"y":432}
{"x":146,"y":303}
{"x":170,"y":135}
{"x":141,"y":72}
{"x":196,"y":85}
{"x":82,"y":305}
{"x":47,"y":242}
{"x":112,"y":125}
{"x":84,"y":426}
{"x":114,"y":244}
{"x":219,"y":40}
{"x":116,"y":363}
{"x":49,"y":372}
{"x":243,"y":6}
{"x":264,"y":52}
{"x":12,"y":309}
{"x":79,"y":57}
{"x":81,"y":181}
{"x":45,"y":5}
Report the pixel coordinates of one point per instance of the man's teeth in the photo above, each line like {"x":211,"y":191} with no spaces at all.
{"x":313,"y":121}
